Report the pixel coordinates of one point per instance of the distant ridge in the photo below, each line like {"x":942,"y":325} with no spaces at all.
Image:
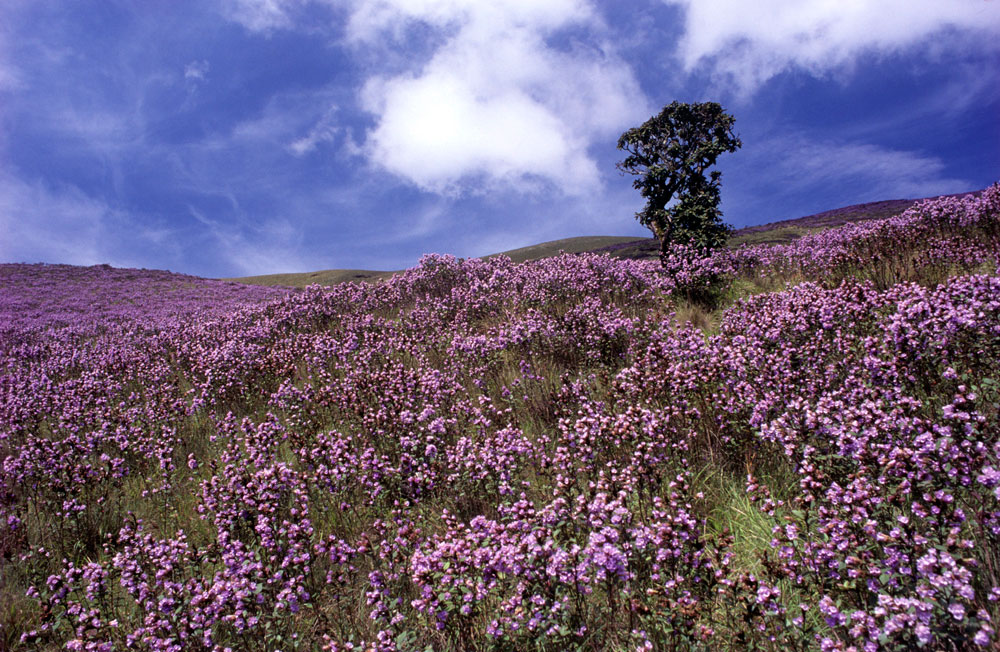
{"x":629,"y":247}
{"x":785,"y":231}
{"x":855,"y":213}
{"x":578,"y":245}
{"x":533,"y":252}
{"x":322,"y":277}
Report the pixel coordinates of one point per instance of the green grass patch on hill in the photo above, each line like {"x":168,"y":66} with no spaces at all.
{"x":324,"y":277}
{"x":623,"y":247}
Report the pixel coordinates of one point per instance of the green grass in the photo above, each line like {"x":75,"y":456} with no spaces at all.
{"x":302,"y":279}
{"x":626,"y":247}
{"x":720,"y":478}
{"x":577,"y":245}
{"x":334,"y":276}
{"x":782,"y":235}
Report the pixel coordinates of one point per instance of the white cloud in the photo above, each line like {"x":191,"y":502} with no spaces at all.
{"x":747,"y":43}
{"x":266,"y":246}
{"x":196,"y":70}
{"x":10,"y":77}
{"x":497,"y":103}
{"x":324,"y":130}
{"x":60,"y":223}
{"x":259,"y":15}
{"x":42,"y":224}
{"x":371,"y":19}
{"x":874,"y":173}
{"x":295,"y":122}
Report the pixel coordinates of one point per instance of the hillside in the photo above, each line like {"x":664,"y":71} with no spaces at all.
{"x":777,"y":447}
{"x":782,"y":232}
{"x":625,"y":247}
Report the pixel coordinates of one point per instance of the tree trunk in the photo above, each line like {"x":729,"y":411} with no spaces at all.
{"x":665,"y":242}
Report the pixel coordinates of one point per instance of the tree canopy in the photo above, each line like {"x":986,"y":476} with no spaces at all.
{"x":670,"y":154}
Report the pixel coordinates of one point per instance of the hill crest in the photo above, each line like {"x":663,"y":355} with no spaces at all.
{"x":628,"y":247}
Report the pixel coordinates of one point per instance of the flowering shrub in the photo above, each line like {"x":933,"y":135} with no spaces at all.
{"x":698,"y":275}
{"x":937,"y":236}
{"x":477,"y":454}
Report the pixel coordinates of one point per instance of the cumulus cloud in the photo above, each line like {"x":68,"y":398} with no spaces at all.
{"x":747,"y":43}
{"x":496,"y":102}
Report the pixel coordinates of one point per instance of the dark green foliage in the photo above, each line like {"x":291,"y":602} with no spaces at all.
{"x":670,"y":154}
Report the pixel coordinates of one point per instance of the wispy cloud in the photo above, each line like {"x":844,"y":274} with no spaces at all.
{"x":10,"y":76}
{"x":324,"y":130}
{"x":270,"y":246}
{"x":748,"y":43}
{"x":497,"y":105}
{"x":294,"y":121}
{"x":259,"y":15}
{"x":44,"y":224}
{"x":870,"y":171}
{"x":794,"y":175}
{"x":541,"y":218}
{"x":196,"y":70}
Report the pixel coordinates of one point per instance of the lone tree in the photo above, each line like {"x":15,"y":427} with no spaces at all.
{"x":669,"y":154}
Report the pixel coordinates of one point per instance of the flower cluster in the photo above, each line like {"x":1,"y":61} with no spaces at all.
{"x":483,"y":454}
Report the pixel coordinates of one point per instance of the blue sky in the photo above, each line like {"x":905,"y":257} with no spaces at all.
{"x":235,"y":137}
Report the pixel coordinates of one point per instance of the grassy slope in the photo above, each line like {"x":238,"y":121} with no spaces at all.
{"x":324,"y":277}
{"x":727,"y":503}
{"x":621,"y":246}
{"x":569,"y":245}
{"x":335,"y":276}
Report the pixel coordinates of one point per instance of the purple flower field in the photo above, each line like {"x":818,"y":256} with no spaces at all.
{"x":482,"y":455}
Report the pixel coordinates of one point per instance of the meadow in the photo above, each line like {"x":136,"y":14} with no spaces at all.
{"x":773,"y":447}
